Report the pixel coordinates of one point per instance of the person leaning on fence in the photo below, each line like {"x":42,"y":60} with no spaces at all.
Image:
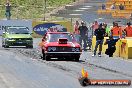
{"x":116,"y":31}
{"x":8,"y":9}
{"x":128,"y":30}
{"x":99,"y":33}
{"x":111,"y":46}
{"x":83,"y":30}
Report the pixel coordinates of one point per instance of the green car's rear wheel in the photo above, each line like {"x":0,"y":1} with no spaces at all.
{"x":6,"y":46}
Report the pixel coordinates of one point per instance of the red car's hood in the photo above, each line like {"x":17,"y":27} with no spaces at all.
{"x":69,"y":44}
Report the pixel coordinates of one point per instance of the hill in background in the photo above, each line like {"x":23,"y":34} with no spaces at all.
{"x":31,"y":9}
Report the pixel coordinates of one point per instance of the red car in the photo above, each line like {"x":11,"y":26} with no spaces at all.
{"x":61,"y":45}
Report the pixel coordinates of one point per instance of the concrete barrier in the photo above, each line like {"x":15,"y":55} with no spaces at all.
{"x":126,"y":48}
{"x":123,"y":47}
{"x":104,"y":47}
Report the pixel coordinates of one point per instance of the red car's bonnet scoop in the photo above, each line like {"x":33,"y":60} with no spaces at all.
{"x":62,"y":40}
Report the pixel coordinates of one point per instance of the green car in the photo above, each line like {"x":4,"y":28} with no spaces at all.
{"x":17,"y":36}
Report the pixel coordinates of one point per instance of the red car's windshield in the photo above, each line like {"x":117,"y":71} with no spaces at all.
{"x":55,"y":37}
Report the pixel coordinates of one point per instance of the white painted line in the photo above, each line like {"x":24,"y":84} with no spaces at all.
{"x":87,"y":6}
{"x":69,"y":5}
{"x":78,"y":10}
{"x":76,"y":14}
{"x":84,"y":8}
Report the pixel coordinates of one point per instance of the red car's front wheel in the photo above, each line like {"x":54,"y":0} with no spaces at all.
{"x":77,"y":58}
{"x":47,"y":58}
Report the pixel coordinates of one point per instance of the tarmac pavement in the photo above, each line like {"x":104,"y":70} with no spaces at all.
{"x":115,"y":64}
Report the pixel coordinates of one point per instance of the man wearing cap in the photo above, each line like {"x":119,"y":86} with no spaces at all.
{"x":99,"y":33}
{"x":83,"y":30}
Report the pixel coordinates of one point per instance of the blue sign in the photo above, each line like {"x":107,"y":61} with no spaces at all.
{"x":41,"y":29}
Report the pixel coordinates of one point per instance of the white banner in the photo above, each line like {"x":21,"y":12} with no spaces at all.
{"x":6,"y":23}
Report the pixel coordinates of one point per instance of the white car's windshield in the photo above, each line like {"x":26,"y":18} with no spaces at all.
{"x":18,"y":30}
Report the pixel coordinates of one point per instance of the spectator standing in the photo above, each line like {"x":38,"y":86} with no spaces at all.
{"x":107,"y":30}
{"x":103,"y":7}
{"x":83,"y":34}
{"x":130,"y":16}
{"x":99,"y":33}
{"x":76,"y":31}
{"x":76,"y":26}
{"x":113,"y":6}
{"x":95,"y":25}
{"x":116,"y":31}
{"x":128,"y":30}
{"x":121,"y":7}
{"x":8,"y":9}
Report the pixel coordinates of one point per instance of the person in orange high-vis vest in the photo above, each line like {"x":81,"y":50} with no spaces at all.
{"x":116,"y":31}
{"x":128,"y":30}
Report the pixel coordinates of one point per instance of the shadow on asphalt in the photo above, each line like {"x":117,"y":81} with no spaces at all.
{"x":66,"y":60}
{"x":17,"y":48}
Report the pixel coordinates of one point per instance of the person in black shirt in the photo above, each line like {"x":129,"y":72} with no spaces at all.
{"x":83,"y":30}
{"x":111,"y":46}
{"x":121,"y":7}
{"x":99,"y":33}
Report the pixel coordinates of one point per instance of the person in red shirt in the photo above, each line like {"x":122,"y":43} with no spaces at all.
{"x":116,"y":31}
{"x":95,"y":25}
{"x":128,"y":30}
{"x":76,"y":26}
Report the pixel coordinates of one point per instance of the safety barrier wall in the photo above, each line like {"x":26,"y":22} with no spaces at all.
{"x":123,"y":47}
{"x":126,"y":48}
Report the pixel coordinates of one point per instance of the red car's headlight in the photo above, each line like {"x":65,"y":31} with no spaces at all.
{"x":51,"y":48}
{"x":75,"y":49}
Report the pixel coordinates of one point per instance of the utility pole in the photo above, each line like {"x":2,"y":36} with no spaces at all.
{"x":44,"y":7}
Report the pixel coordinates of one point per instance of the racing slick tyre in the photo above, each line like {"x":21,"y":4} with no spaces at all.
{"x":77,"y":59}
{"x":47,"y":58}
{"x":43,"y":55}
{"x":6,"y":46}
{"x":3,"y":45}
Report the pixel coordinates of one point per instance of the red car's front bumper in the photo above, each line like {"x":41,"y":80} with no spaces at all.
{"x":63,"y":54}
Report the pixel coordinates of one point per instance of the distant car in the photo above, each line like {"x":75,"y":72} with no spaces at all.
{"x":60,"y":45}
{"x":17,"y":36}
